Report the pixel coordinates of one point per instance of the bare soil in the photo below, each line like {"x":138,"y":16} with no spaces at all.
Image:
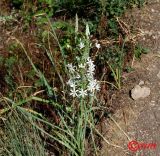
{"x":139,"y":120}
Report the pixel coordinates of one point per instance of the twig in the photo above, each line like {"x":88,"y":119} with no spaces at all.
{"x":105,"y":138}
{"x":120,"y":128}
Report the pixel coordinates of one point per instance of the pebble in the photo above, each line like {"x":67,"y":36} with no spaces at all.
{"x":141,"y":83}
{"x":152,"y":10}
{"x":140,"y":92}
{"x":158,"y":75}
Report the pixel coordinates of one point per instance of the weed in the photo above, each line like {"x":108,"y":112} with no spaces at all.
{"x":5,"y":19}
{"x":9,"y":78}
{"x":129,"y":69}
{"x":116,"y":73}
{"x":20,"y":137}
{"x":113,"y":57}
{"x":139,"y":50}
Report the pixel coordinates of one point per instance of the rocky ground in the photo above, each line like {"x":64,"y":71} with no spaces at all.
{"x":139,"y":119}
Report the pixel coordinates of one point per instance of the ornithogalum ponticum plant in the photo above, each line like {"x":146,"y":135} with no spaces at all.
{"x":82,"y":82}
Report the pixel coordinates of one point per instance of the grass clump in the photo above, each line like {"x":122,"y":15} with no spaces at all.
{"x":19,"y":137}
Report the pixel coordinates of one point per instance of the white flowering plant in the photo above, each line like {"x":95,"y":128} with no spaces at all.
{"x":72,"y":102}
{"x":81,"y":79}
{"x":82,"y":87}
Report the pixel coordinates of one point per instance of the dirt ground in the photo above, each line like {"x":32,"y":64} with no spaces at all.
{"x":139,"y":120}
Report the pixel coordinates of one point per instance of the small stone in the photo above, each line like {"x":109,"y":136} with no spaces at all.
{"x":143,"y":38}
{"x":140,"y":92}
{"x":141,"y":83}
{"x":158,"y":75}
{"x":154,"y":37}
{"x":152,"y":103}
{"x":152,"y":10}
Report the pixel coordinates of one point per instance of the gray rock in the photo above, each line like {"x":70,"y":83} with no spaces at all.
{"x":140,"y":92}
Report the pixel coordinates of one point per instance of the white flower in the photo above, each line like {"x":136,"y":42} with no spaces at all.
{"x":81,"y":66}
{"x":91,"y":68}
{"x":90,"y":74}
{"x":81,"y":45}
{"x":71,"y":83}
{"x":71,"y":68}
{"x":97,"y":87}
{"x":75,"y":80}
{"x":74,"y":92}
{"x":98,"y":46}
{"x":78,"y":76}
{"x":82,"y":93}
{"x":68,"y":46}
{"x":93,"y":85}
{"x":89,"y":61}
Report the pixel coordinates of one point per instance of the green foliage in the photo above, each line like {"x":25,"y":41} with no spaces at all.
{"x":5,"y":19}
{"x":110,"y":54}
{"x":138,"y":3}
{"x":9,"y":65}
{"x":17,"y":3}
{"x":19,"y":137}
{"x":115,"y":8}
{"x":139,"y":50}
{"x":91,"y":10}
{"x":129,"y":69}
